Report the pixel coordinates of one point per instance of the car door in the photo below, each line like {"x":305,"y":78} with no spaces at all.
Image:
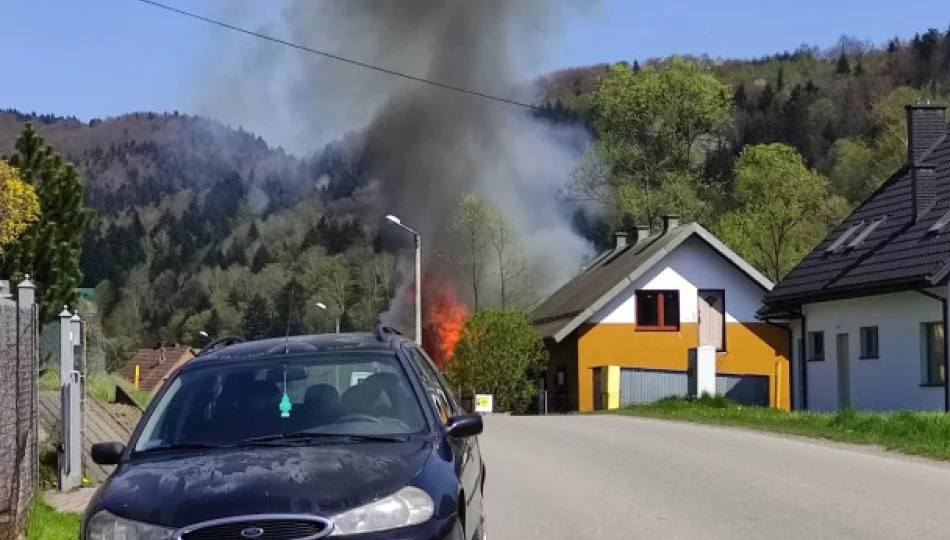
{"x":468,"y":457}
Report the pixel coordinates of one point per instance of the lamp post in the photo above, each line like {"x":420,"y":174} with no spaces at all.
{"x":418,"y":256}
{"x":323,"y":306}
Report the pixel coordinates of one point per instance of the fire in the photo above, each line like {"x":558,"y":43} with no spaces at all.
{"x":443,"y":318}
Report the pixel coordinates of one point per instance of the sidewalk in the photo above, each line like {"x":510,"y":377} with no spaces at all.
{"x":72,"y":502}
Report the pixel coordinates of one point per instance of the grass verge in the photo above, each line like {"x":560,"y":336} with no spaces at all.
{"x":918,"y":433}
{"x":46,"y":523}
{"x":102,"y":387}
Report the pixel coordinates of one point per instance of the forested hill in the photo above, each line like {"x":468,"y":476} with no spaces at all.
{"x":202,"y":226}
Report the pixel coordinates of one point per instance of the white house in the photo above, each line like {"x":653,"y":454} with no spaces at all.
{"x":868,"y":307}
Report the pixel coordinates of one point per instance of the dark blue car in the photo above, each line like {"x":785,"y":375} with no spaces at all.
{"x":340,"y":435}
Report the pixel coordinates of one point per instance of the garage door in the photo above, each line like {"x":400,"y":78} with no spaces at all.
{"x":744,"y":389}
{"x":639,"y":386}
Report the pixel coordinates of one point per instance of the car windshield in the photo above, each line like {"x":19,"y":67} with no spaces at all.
{"x":322,"y":394}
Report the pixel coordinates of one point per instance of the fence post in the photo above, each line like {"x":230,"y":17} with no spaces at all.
{"x":26,"y":304}
{"x":70,"y":450}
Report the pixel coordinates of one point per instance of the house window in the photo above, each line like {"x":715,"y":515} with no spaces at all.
{"x":658,"y":310}
{"x":816,"y":345}
{"x":932,"y":349}
{"x":869,"y":342}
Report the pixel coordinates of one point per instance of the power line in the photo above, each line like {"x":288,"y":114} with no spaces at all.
{"x":336,"y":57}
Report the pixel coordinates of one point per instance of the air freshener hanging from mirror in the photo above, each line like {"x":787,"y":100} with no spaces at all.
{"x":285,"y":405}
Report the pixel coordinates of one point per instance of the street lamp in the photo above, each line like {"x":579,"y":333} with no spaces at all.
{"x":418,"y":255}
{"x":323,"y":306}
{"x":202,"y":333}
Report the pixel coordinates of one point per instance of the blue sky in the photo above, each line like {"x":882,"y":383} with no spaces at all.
{"x":96,"y":58}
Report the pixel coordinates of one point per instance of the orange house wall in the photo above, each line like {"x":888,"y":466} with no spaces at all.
{"x":751,"y":349}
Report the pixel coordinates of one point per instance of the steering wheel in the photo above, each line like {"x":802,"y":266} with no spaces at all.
{"x":356,"y":418}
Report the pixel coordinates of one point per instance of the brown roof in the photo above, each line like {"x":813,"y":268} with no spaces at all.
{"x":152,"y":369}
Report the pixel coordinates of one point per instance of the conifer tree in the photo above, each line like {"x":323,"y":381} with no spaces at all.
{"x":49,"y":249}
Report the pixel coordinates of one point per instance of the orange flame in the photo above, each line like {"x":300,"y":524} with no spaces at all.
{"x":443,"y":318}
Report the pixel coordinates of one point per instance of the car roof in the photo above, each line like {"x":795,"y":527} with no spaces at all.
{"x":313,"y":343}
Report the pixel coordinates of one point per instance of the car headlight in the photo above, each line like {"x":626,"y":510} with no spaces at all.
{"x":105,"y":526}
{"x":408,"y":506}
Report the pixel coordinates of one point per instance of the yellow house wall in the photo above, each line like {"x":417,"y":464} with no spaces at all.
{"x":751,"y":349}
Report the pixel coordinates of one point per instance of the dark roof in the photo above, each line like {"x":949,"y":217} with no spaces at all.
{"x":609,"y":273}
{"x":899,"y":254}
{"x":315,"y":343}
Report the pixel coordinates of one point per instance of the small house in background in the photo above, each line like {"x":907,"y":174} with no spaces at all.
{"x":869,"y":304}
{"x":156,"y":365}
{"x":626,"y":326}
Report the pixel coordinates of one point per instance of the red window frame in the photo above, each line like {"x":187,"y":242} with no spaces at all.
{"x":661,"y":326}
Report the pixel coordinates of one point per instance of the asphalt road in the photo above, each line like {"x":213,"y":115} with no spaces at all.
{"x":608,"y":477}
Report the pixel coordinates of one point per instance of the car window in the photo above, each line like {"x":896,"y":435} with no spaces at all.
{"x":436,"y":387}
{"x":340,"y":393}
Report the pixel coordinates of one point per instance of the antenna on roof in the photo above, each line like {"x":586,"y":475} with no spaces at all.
{"x":290,"y":313}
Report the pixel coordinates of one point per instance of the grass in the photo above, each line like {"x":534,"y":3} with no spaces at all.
{"x":918,"y":433}
{"x":102,"y":387}
{"x":45,"y":523}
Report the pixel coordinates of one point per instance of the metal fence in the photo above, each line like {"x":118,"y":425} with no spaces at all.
{"x":18,"y":403}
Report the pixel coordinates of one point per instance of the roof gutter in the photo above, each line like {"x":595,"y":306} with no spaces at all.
{"x":946,"y":343}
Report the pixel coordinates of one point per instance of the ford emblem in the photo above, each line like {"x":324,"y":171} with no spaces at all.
{"x":252,"y":532}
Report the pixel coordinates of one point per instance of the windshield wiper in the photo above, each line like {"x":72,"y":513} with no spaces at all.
{"x":179,"y":446}
{"x":316,"y":435}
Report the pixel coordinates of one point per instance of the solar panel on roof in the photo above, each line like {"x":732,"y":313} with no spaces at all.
{"x":867,"y":231}
{"x":836,"y":245}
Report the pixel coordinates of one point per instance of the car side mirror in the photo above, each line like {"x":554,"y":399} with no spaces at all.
{"x":108,"y":453}
{"x":465,"y":425}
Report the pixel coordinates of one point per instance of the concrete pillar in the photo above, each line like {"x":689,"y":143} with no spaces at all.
{"x":26,"y":293}
{"x":70,"y":456}
{"x":702,"y":371}
{"x":65,"y":346}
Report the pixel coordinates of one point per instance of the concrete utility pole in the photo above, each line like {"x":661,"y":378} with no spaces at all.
{"x":417,"y":242}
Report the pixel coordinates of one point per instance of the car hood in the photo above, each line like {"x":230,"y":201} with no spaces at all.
{"x":179,"y":490}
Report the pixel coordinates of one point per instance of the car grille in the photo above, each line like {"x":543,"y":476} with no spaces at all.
{"x":260,"y":528}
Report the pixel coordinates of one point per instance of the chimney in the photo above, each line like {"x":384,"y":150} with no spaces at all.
{"x":926,"y":125}
{"x":620,"y":240}
{"x":670,"y":222}
{"x":923,"y":190}
{"x":643,"y":232}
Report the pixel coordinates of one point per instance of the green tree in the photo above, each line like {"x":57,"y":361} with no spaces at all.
{"x":655,"y":127}
{"x":844,"y":66}
{"x":778,"y":198}
{"x":500,"y":353}
{"x":256,"y":323}
{"x":472,"y":222}
{"x":261,"y":259}
{"x":49,"y":249}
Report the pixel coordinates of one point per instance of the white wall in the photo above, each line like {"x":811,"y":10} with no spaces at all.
{"x":893,"y":381}
{"x":693,"y":265}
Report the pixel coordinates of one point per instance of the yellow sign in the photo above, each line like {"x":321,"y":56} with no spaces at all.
{"x":483,"y":403}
